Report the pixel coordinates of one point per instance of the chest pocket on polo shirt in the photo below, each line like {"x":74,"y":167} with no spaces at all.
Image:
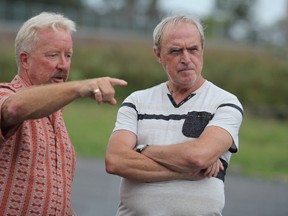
{"x":195,"y":123}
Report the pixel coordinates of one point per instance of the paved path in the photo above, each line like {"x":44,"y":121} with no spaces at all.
{"x":95,"y":193}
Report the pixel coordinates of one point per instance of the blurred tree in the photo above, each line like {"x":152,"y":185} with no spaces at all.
{"x":153,"y":10}
{"x":19,"y":10}
{"x":286,"y":23}
{"x":65,"y":3}
{"x":130,"y":7}
{"x":134,"y":7}
{"x":235,"y":16}
{"x":130,"y":13}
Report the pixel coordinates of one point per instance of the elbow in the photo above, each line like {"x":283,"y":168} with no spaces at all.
{"x":11,"y":114}
{"x":198,"y":162}
{"x":110,"y":165}
{"x":202,"y":164}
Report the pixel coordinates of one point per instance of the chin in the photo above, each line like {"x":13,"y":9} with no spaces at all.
{"x":190,"y":82}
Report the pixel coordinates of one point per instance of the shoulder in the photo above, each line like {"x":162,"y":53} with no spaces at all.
{"x":218,"y":91}
{"x":6,"y":89}
{"x":16,"y":84}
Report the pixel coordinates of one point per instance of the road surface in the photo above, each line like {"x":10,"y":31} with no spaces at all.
{"x":95,"y":193}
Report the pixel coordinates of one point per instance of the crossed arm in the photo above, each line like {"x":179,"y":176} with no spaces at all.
{"x":192,"y":160}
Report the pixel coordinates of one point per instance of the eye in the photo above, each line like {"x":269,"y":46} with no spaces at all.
{"x":51,"y":55}
{"x":68,"y":55}
{"x":193,"y":49}
{"x":175,"y":51}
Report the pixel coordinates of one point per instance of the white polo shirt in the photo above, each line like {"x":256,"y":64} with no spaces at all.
{"x":155,"y":119}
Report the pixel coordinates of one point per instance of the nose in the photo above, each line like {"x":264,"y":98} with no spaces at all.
{"x":63,"y":62}
{"x":185,"y":58}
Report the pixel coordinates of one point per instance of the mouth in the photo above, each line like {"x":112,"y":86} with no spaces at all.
{"x":57,"y":80}
{"x":185,"y":69}
{"x":59,"y":77}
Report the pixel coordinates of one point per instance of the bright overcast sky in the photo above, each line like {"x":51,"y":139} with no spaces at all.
{"x":267,"y":11}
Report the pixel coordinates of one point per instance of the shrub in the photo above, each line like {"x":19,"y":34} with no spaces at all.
{"x":258,"y":78}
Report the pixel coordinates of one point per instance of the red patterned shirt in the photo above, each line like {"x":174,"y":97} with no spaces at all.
{"x":37,"y":163}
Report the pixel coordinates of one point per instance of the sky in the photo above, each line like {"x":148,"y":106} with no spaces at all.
{"x":266,"y":11}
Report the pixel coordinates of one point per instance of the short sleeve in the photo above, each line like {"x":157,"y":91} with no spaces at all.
{"x":127,"y":117}
{"x":229,"y":117}
{"x":5,"y":92}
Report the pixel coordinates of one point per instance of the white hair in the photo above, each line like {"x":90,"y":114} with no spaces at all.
{"x":160,"y":28}
{"x":27,"y":35}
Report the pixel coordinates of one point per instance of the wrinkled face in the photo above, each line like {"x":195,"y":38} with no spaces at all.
{"x":181,"y":54}
{"x":50,"y":59}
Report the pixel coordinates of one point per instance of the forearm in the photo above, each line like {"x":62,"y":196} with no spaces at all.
{"x":149,"y":166}
{"x":192,"y":156}
{"x":40,"y":101}
{"x":140,"y":168}
{"x":172,"y":157}
{"x":121,"y":159}
{"x":37,"y":101}
{"x":189,"y":169}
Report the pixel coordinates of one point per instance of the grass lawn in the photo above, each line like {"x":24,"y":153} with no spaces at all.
{"x":90,"y":126}
{"x":263,"y":149}
{"x":263,"y":142}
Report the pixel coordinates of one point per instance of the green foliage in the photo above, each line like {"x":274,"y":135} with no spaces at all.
{"x":7,"y":65}
{"x":263,"y":149}
{"x":134,"y":62}
{"x":256,"y":77}
{"x":90,"y":126}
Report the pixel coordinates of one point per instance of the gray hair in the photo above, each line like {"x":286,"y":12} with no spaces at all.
{"x":160,"y":28}
{"x":27,"y":35}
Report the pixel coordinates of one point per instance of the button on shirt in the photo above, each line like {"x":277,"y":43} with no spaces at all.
{"x":37,"y":163}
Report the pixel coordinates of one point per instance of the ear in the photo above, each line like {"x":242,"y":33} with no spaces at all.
{"x":24,"y":60}
{"x":157,"y":54}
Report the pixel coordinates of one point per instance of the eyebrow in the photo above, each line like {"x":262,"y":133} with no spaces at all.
{"x":181,"y":48}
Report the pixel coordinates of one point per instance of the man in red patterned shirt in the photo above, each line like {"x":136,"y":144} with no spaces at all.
{"x":36,"y":155}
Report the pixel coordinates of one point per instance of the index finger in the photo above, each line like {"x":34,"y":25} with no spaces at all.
{"x":120,"y":82}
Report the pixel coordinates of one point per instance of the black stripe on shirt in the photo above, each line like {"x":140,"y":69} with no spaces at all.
{"x":161,"y":117}
{"x":130,"y":105}
{"x":232,"y":105}
{"x":173,"y":116}
{"x":182,"y":102}
{"x":233,"y":150}
{"x":155,"y":116}
{"x":222,"y":173}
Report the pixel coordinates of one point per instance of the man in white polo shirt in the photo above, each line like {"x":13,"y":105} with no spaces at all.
{"x":172,"y":143}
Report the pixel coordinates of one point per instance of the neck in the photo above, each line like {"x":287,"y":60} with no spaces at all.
{"x":180,"y":90}
{"x":179,"y":93}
